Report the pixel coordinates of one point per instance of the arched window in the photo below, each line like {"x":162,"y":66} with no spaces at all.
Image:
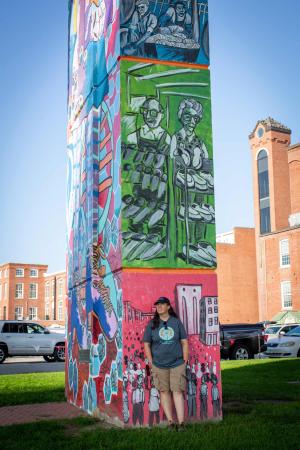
{"x":264,"y":194}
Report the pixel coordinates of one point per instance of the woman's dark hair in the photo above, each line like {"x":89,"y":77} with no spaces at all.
{"x":156,"y":319}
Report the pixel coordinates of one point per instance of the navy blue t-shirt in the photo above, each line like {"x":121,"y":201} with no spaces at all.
{"x":166,"y":347}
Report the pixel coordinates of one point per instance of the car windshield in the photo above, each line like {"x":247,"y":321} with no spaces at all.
{"x":294,"y":332}
{"x":272,"y":330}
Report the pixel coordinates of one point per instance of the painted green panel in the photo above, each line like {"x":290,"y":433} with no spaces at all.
{"x":167,"y":167}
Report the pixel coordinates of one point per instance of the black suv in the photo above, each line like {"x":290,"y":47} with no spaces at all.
{"x":241,"y":340}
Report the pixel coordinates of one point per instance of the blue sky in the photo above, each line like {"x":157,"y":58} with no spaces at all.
{"x":255,"y":71}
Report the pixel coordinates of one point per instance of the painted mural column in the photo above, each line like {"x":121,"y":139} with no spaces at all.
{"x":141,"y":219}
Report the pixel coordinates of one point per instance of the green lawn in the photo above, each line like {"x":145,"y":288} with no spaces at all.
{"x":32,"y":388}
{"x":261,"y":411}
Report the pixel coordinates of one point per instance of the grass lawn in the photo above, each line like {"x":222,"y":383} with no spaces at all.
{"x":29,"y":388}
{"x":261,"y":410}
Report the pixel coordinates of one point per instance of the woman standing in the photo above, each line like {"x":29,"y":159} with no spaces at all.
{"x":166,"y":348}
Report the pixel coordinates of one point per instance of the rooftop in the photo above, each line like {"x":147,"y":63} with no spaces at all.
{"x":271,"y":124}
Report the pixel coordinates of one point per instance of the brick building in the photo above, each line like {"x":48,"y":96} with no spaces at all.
{"x":272,"y":249}
{"x":28,"y":292}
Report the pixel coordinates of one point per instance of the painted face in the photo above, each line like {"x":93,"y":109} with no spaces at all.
{"x":180,"y":10}
{"x":142,"y":8}
{"x":152,"y":114}
{"x":190,"y":118}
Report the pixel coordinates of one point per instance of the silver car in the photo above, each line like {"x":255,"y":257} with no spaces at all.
{"x":287,"y":346}
{"x":19,"y":338}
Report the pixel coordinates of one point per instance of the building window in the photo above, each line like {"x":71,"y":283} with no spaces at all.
{"x":5,"y":291}
{"x":33,"y":288}
{"x":19,"y":290}
{"x":216,"y":310}
{"x":264,"y":193}
{"x":19,"y":272}
{"x":286,"y":295}
{"x":60,"y":311}
{"x":284,"y":248}
{"x":210,"y":310}
{"x":33,"y":313}
{"x":47,"y":317}
{"x":60,"y":287}
{"x":210,"y":322}
{"x":52,"y":288}
{"x":53,"y":312}
{"x":34,"y":273}
{"x":6,"y":273}
{"x":0,"y":291}
{"x":209,"y":302}
{"x":19,"y":313}
{"x":47,"y":290}
{"x":216,"y":321}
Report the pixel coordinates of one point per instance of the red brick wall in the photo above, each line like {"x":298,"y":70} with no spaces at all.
{"x":237,"y":285}
{"x":294,"y":169}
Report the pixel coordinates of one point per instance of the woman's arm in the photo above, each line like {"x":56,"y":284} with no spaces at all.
{"x":185,"y":349}
{"x":148,"y":353}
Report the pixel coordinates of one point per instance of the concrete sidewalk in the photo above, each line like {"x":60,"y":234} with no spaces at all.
{"x":12,"y":415}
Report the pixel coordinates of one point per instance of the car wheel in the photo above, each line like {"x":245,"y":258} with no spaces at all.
{"x":59,"y":353}
{"x":2,"y":354}
{"x":241,"y":352}
{"x":49,"y":358}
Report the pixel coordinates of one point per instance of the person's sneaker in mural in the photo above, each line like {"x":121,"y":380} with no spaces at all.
{"x":198,"y":255}
{"x":182,"y":182}
{"x":200,"y":182}
{"x":157,"y":215}
{"x":197,"y":212}
{"x":153,"y":252}
{"x":142,"y":215}
{"x":132,"y":243}
{"x":208,"y":178}
{"x":144,"y":246}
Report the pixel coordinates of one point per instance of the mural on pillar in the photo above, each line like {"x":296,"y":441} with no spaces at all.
{"x":194,"y":298}
{"x":94,"y":47}
{"x":173,"y":30}
{"x":94,"y":361}
{"x":168,"y":216}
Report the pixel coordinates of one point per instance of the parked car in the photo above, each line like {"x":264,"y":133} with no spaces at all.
{"x":274,"y":331}
{"x":241,"y":341}
{"x":20,"y":338}
{"x":285,"y":346}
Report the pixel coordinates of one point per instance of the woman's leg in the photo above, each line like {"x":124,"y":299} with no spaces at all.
{"x":179,"y":405}
{"x":166,"y":403}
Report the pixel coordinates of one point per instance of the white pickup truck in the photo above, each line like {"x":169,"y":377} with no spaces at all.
{"x":19,"y":338}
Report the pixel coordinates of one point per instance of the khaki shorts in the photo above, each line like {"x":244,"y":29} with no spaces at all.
{"x":172,"y":379}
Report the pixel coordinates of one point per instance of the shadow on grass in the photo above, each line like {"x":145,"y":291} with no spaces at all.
{"x":261,"y":380}
{"x":32,"y":388}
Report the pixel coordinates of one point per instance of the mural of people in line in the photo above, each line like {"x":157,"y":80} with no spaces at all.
{"x":203,"y":396}
{"x":154,"y":405}
{"x":168,"y":217}
{"x":138,"y":401}
{"x":142,"y":401}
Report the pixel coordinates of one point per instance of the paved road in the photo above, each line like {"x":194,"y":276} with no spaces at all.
{"x":29,"y":364}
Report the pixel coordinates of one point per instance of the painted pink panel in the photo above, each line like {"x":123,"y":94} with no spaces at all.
{"x":188,"y":293}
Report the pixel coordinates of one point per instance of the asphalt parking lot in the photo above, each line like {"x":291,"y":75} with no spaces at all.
{"x":29,"y":364}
